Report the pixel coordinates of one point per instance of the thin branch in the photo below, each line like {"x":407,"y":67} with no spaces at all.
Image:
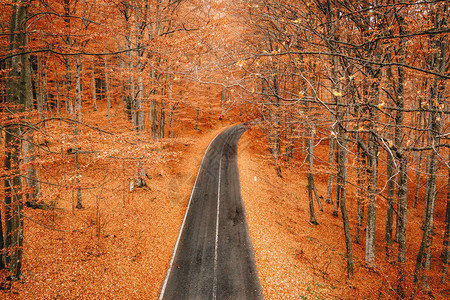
{"x":4,"y":58}
{"x":362,"y":60}
{"x":73,"y":121}
{"x":62,"y":16}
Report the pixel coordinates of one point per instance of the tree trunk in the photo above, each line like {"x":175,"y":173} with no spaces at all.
{"x":390,"y":195}
{"x":154,"y":119}
{"x":418,"y":178}
{"x":446,"y":250}
{"x":171,"y":113}
{"x":171,"y":105}
{"x":131,"y":80}
{"x":424,"y":255}
{"x":371,"y":205}
{"x":94,"y":88}
{"x":361,"y":166}
{"x":78,"y":89}
{"x":276,"y":123}
{"x":107,"y":92}
{"x":290,"y":146}
{"x":332,"y":28}
{"x":68,"y":88}
{"x":341,"y":143}
{"x":29,"y":157}
{"x":140,"y":114}
{"x":13,"y":205}
{"x":18,"y":92}
{"x":162,"y":119}
{"x":67,"y":60}
{"x":197,"y":111}
{"x":402,"y":211}
{"x":78,"y":116}
{"x":372,"y":170}
{"x":401,"y":157}
{"x":427,"y":186}
{"x":140,"y":176}
{"x":335,"y":212}
{"x":310,"y":161}
{"x":78,"y":175}
{"x":329,"y":199}
{"x":58,"y":95}
{"x":31,"y":175}
{"x":438,"y":63}
{"x":419,"y":162}
{"x":342,"y":174}
{"x":41,"y":87}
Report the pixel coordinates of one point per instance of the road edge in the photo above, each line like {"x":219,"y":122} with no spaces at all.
{"x":174,"y":252}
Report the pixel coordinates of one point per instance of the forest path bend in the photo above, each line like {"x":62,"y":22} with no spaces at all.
{"x":213,"y":256}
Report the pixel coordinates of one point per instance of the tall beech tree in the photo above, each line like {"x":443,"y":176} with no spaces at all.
{"x":18,"y":93}
{"x":438,"y":61}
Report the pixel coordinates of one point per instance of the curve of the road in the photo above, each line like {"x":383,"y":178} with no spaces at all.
{"x":213,"y":257}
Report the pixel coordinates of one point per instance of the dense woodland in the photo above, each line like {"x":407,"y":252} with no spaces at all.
{"x":365,"y":80}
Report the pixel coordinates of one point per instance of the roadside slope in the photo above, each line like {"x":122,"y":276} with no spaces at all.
{"x":295,"y":260}
{"x":122,"y":242}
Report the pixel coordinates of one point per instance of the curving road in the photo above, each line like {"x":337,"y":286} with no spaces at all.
{"x":213,"y":257}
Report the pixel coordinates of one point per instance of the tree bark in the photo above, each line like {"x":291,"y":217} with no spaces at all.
{"x":342,"y":174}
{"x":162,"y":115}
{"x":131,"y":79}
{"x":107,"y":91}
{"x":154,"y":119}
{"x":79,"y":117}
{"x":13,"y":205}
{"x":31,"y":174}
{"x":391,"y":176}
{"x":140,"y":114}
{"x":41,"y":87}
{"x":371,"y":205}
{"x":18,"y":86}
{"x":419,"y":162}
{"x":140,"y":176}
{"x":446,"y":242}
{"x":29,"y":156}
{"x":401,"y":157}
{"x":372,"y":157}
{"x":68,"y":88}
{"x":78,"y":89}
{"x":329,"y":199}
{"x":94,"y":87}
{"x":171,"y":114}
{"x":139,"y":97}
{"x":438,"y":63}
{"x":67,"y":60}
{"x":335,"y":212}
{"x":361,"y":165}
{"x":310,"y":160}
{"x":290,"y":147}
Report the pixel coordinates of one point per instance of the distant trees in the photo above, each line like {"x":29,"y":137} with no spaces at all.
{"x":61,"y":58}
{"x":361,"y":63}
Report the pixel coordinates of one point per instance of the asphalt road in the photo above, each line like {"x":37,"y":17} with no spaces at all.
{"x":213,"y":257}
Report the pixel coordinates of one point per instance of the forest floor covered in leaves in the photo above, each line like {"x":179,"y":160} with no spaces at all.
{"x":119,"y":245}
{"x":298,"y":260}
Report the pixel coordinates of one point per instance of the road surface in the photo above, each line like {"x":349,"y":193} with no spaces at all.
{"x":213,"y":257}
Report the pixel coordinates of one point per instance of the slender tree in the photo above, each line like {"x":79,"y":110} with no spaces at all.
{"x":17,"y":95}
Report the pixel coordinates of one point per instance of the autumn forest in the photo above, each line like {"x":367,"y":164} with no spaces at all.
{"x":107,"y":106}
